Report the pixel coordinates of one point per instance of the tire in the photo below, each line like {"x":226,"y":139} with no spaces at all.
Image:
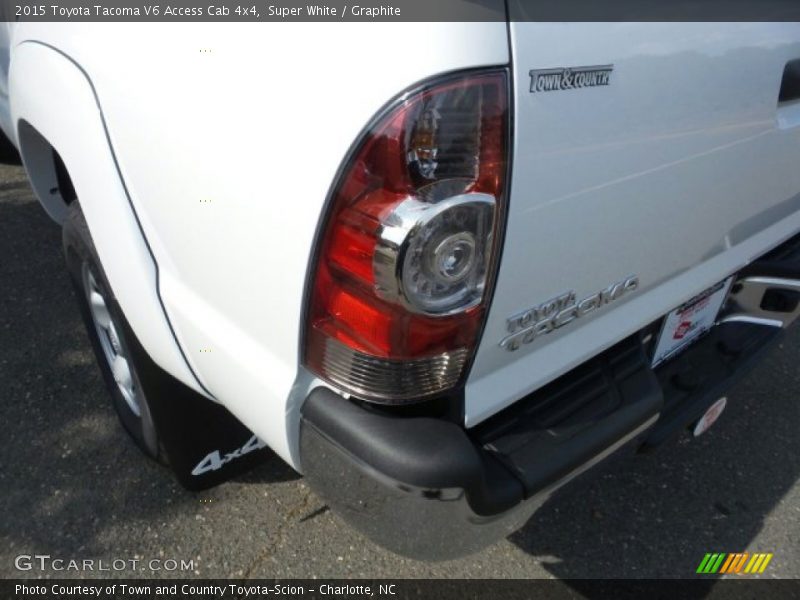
{"x":110,"y":335}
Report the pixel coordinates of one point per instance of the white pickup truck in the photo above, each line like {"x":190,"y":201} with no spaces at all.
{"x":439,"y":277}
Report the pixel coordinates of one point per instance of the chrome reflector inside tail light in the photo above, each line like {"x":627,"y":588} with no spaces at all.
{"x":410,"y":242}
{"x":431,"y":256}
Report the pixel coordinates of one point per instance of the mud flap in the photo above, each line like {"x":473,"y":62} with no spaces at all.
{"x":203,"y":442}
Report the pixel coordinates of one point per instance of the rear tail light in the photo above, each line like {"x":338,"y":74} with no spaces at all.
{"x":410,"y":241}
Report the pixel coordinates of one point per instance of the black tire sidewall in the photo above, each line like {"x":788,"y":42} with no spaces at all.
{"x":79,"y":250}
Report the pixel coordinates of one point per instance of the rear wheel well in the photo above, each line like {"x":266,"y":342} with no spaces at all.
{"x":47,"y":172}
{"x":65,"y":187}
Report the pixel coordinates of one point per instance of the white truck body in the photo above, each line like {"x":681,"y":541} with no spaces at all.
{"x":203,"y":158}
{"x":264,"y":201}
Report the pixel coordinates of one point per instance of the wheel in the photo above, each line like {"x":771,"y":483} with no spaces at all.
{"x":109,"y":333}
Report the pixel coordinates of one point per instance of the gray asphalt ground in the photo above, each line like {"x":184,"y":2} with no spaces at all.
{"x":73,"y":486}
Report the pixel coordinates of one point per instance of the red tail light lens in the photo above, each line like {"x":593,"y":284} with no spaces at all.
{"x":409,"y":243}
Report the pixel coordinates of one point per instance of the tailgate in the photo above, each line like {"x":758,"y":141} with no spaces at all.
{"x":678,"y":172}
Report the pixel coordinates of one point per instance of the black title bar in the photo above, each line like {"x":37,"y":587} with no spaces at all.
{"x":398,"y":10}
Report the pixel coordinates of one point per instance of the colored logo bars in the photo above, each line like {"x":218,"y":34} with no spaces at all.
{"x":742,"y":562}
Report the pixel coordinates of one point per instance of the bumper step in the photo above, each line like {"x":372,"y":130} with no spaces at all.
{"x":567,"y":425}
{"x":699,"y":376}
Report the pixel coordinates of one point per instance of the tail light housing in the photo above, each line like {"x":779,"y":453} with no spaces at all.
{"x":410,"y":243}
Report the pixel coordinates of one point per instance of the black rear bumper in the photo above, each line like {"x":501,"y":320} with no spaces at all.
{"x":427,"y":488}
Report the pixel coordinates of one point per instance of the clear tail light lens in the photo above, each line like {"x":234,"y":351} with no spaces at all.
{"x":409,"y":243}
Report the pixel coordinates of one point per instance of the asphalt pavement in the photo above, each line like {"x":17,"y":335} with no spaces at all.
{"x":74,"y":487}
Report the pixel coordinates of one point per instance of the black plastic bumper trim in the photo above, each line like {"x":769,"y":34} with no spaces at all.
{"x":420,"y":452}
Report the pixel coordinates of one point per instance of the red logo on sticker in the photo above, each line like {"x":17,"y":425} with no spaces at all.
{"x":682,"y":330}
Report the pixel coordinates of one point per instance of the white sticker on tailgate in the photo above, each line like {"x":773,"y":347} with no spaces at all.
{"x":689,"y":321}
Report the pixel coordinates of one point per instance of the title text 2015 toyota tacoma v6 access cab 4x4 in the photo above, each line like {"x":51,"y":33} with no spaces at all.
{"x":440,"y":285}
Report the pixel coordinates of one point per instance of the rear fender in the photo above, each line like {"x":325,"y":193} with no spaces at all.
{"x":53,"y":106}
